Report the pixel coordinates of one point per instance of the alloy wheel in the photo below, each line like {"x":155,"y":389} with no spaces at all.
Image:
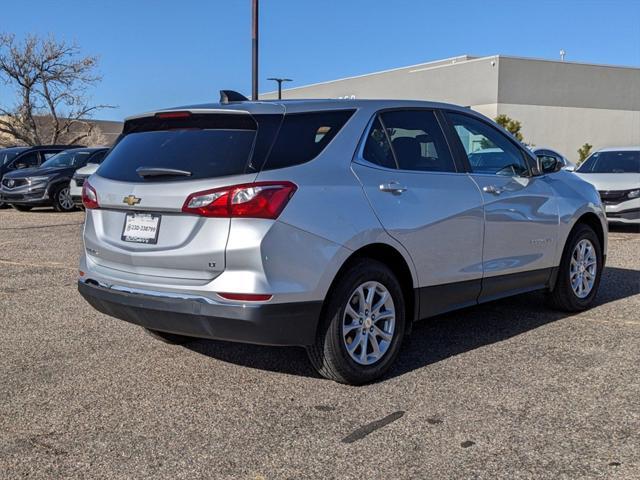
{"x":583,"y":268}
{"x":368,"y":323}
{"x":65,"y":200}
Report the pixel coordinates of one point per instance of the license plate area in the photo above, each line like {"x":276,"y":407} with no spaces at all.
{"x":141,"y":228}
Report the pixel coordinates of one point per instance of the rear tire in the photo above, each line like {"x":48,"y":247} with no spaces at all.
{"x":348,"y":319}
{"x":166,"y":337}
{"x":22,"y":208}
{"x":577,"y":284}
{"x":62,"y":201}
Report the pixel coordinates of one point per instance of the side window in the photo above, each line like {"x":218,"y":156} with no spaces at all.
{"x":377,"y":149}
{"x":98,"y":157}
{"x":488,"y":150}
{"x":418,"y":141}
{"x":303,"y":136}
{"x":28,"y":160}
{"x":48,"y":155}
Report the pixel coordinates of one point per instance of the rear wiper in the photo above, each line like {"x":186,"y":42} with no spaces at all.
{"x":161,"y":172}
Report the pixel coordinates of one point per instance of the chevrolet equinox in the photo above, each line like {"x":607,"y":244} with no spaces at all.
{"x":329,"y":224}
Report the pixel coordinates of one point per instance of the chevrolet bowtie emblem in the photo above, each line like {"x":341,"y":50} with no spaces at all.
{"x":131,"y":200}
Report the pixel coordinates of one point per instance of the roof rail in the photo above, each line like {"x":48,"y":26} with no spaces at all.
{"x":227,"y":96}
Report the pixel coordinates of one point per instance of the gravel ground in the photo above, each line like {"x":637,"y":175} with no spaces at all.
{"x":505,"y":390}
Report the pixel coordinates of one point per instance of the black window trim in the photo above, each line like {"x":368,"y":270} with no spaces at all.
{"x":529,"y":157}
{"x":440,"y":118}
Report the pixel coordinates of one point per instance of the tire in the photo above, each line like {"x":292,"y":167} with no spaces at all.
{"x":3,"y":205}
{"x":329,"y":354}
{"x":22,"y":208}
{"x":166,"y":337}
{"x":62,"y":201}
{"x":563,"y":296}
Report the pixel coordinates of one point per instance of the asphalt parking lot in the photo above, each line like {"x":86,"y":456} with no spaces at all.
{"x":505,"y":390}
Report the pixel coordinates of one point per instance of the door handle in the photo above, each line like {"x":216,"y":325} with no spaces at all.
{"x":492,"y":189}
{"x":393,"y":187}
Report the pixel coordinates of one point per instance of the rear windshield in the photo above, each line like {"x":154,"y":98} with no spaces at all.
{"x":612,"y":162}
{"x":217,"y":145}
{"x":202,"y":153}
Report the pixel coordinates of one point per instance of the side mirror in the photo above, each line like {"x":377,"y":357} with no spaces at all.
{"x":550,"y":164}
{"x":21,"y":165}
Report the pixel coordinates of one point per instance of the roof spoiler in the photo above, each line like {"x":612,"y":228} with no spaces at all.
{"x":227,"y":96}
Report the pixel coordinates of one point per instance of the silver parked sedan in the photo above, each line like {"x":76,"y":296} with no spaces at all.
{"x":330,"y":224}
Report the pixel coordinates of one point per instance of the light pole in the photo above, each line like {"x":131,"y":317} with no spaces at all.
{"x":280,"y":80}
{"x":254,"y":48}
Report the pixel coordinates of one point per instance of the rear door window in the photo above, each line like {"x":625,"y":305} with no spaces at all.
{"x":303,"y":136}
{"x":377,"y":148}
{"x":418,"y":141}
{"x":28,"y":160}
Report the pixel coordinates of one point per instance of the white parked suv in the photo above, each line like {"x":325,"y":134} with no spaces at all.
{"x":615,"y":173}
{"x":80,"y":175}
{"x":330,"y":224}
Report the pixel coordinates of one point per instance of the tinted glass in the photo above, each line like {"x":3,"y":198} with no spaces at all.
{"x":488,"y":150}
{"x":206,"y":153}
{"x":29,"y":159}
{"x":303,"y":136}
{"x":612,"y":162}
{"x":377,"y":149}
{"x":69,"y":158}
{"x":7,"y":156}
{"x":417,"y":141}
{"x":98,"y":157}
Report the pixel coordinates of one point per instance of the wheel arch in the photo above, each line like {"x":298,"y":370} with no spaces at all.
{"x":593,"y":221}
{"x":399,"y":265}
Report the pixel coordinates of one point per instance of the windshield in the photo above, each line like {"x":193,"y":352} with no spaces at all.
{"x":612,"y":162}
{"x":6,"y":157}
{"x":69,"y":158}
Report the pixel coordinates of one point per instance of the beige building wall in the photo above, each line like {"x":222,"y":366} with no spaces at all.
{"x":568,"y":128}
{"x":561,"y":105}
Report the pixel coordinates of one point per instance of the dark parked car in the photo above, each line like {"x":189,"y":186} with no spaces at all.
{"x":27,"y":157}
{"x":47,"y":185}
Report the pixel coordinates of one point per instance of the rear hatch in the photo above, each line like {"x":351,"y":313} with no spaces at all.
{"x":140,"y":226}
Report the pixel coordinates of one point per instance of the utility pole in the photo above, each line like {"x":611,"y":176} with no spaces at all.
{"x":254,"y":59}
{"x":280,"y":80}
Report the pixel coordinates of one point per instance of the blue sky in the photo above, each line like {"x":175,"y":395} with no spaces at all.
{"x":158,"y":53}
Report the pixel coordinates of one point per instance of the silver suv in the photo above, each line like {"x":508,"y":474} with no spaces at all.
{"x":333,"y":225}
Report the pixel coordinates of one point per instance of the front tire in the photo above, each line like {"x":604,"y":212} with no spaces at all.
{"x":362,"y":325}
{"x":62,"y":201}
{"x":580,"y":271}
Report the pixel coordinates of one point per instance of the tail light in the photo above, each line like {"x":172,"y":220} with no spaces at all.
{"x":89,"y":196}
{"x":251,"y":200}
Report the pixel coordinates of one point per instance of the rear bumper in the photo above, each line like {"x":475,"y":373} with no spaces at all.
{"x":266,"y":324}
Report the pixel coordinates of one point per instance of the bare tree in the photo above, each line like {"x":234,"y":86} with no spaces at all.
{"x":50,"y":80}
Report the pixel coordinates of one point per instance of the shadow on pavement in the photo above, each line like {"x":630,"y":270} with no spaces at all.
{"x":437,"y":338}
